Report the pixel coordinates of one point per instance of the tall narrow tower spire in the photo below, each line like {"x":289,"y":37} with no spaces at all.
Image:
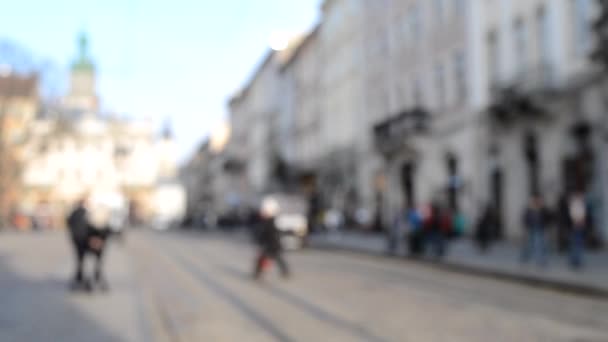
{"x":82,"y":97}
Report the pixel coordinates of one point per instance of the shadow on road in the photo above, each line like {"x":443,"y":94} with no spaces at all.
{"x":306,"y":306}
{"x":43,"y":310}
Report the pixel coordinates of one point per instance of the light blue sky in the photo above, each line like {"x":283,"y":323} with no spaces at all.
{"x":177,"y":59}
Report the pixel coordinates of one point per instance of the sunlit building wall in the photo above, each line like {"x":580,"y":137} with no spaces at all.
{"x":302,"y":107}
{"x":539,"y":48}
{"x":342,"y":125}
{"x":416,"y":58}
{"x":369,"y":62}
{"x":19,"y":105}
{"x":71,"y":151}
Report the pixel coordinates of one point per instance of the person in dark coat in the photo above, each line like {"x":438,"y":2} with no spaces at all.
{"x":437,"y":227}
{"x":87,"y":239}
{"x":485,"y":226}
{"x":579,"y":217}
{"x":395,"y":233}
{"x":96,"y":246}
{"x":563,"y":223}
{"x":269,"y":240}
{"x":79,"y":226}
{"x":536,"y":220}
{"x":415,"y":237}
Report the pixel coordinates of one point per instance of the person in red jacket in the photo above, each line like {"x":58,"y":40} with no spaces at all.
{"x":437,"y":225}
{"x":269,"y":240}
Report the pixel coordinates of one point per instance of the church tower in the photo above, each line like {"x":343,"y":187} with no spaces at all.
{"x":82,"y":97}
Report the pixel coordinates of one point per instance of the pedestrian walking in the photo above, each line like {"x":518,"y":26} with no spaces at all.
{"x":87,"y":239}
{"x":459,"y":224}
{"x":437,"y":226}
{"x":415,"y":235}
{"x":396,"y":232}
{"x":536,"y":220}
{"x":269,"y":239}
{"x":97,"y":242}
{"x":563,"y":223}
{"x":486,"y":224}
{"x":579,"y":219}
{"x":78,"y":225}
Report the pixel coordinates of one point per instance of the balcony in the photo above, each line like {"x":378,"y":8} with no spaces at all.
{"x":535,"y":80}
{"x":234,"y":165}
{"x":523,"y":96}
{"x":390,"y":135}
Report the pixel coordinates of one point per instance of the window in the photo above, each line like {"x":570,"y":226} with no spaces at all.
{"x":121,"y":151}
{"x":417,"y":93}
{"x":543,"y":45}
{"x":460,"y":80}
{"x":460,"y":7}
{"x":582,"y":26}
{"x":440,"y":10}
{"x":440,"y":85}
{"x":520,"y":36}
{"x":415,"y":24}
{"x":405,"y":26}
{"x":43,"y":148}
{"x":493,"y":58}
{"x":542,"y":35}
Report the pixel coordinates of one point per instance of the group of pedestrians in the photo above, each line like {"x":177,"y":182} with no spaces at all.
{"x":429,"y":229}
{"x":573,"y":219}
{"x":425,"y":228}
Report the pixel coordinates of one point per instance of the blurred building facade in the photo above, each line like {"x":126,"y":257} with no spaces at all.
{"x":541,"y":106}
{"x":393,"y":103}
{"x":302,"y":113}
{"x":419,"y":100}
{"x":260,"y":147}
{"x":19,"y":105}
{"x":213,"y":180}
{"x":71,"y":150}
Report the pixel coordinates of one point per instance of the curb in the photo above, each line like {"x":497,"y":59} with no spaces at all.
{"x":530,"y":280}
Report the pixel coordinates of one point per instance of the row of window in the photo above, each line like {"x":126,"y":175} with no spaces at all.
{"x":414,"y":26}
{"x":449,"y":78}
{"x":531,"y":39}
{"x":119,"y":151}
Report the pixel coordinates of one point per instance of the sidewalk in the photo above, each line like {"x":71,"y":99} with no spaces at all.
{"x":502,"y":261}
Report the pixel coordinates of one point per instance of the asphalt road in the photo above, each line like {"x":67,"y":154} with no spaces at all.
{"x":198,"y":287}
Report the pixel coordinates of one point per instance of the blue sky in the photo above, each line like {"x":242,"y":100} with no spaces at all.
{"x":177,"y":59}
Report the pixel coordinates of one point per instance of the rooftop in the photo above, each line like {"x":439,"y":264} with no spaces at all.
{"x":18,"y":86}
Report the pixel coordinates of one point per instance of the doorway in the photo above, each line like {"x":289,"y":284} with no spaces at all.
{"x":496,"y":196}
{"x":408,"y":171}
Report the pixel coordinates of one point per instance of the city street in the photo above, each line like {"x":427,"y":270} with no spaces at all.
{"x":197,"y":287}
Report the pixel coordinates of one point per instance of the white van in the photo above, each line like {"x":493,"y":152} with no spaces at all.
{"x":169,"y":206}
{"x":291,"y":219}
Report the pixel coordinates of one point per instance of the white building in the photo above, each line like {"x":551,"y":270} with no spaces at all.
{"x":392,"y":103}
{"x":417,"y":101}
{"x":545,"y":127}
{"x":259,"y":141}
{"x":72,"y":152}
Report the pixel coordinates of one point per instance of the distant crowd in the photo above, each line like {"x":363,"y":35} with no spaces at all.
{"x":430,"y":227}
